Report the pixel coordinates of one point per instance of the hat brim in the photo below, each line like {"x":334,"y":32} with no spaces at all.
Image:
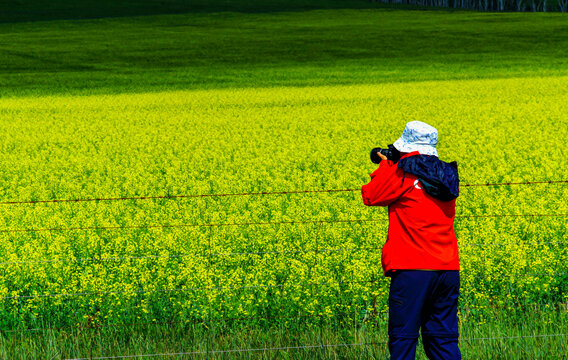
{"x":423,"y":149}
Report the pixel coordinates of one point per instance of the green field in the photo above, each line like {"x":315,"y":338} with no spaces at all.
{"x":220,"y":101}
{"x":296,"y":48}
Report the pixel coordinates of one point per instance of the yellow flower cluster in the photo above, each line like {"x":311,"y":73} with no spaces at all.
{"x":263,"y":140}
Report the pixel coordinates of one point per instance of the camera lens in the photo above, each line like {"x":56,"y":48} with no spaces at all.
{"x":374,"y":157}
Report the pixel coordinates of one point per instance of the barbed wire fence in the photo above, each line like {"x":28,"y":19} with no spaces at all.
{"x":306,"y":347}
{"x":100,"y":260}
{"x":287,"y":192}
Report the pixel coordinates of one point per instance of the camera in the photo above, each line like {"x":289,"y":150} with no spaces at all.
{"x":390,"y":152}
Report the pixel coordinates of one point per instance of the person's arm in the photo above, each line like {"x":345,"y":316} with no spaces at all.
{"x":385,"y":187}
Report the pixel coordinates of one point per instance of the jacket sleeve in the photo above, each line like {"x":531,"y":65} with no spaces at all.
{"x":385,"y":187}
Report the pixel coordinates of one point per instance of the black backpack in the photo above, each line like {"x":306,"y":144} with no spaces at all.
{"x":439,"y":179}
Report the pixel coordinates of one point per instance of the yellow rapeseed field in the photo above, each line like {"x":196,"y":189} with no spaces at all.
{"x":130,"y":261}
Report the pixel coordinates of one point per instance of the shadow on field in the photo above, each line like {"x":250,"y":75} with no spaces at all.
{"x":41,"y":10}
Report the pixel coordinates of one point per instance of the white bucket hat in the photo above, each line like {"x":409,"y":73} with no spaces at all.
{"x":418,"y":136}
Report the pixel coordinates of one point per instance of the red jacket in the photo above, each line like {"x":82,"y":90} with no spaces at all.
{"x":421,"y":228}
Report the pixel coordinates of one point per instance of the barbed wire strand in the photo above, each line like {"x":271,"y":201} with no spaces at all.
{"x":509,"y":215}
{"x":157,"y":197}
{"x":257,"y":223}
{"x":203,"y":352}
{"x":230,"y":254}
{"x":518,"y":183}
{"x":186,"y":196}
{"x":315,"y":346}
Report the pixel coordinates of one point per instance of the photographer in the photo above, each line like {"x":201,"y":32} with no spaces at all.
{"x":421,"y":252}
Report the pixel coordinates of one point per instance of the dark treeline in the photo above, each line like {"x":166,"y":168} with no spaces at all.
{"x":490,"y":5}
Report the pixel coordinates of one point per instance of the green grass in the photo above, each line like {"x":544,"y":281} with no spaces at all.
{"x":493,"y":340}
{"x":308,"y":48}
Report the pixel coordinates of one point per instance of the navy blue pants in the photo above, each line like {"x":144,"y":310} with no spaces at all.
{"x":426,"y":301}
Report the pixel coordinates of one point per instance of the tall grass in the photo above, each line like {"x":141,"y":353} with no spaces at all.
{"x":508,"y":335}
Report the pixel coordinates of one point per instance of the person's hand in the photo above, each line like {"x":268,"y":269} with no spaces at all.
{"x":381,"y":156}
